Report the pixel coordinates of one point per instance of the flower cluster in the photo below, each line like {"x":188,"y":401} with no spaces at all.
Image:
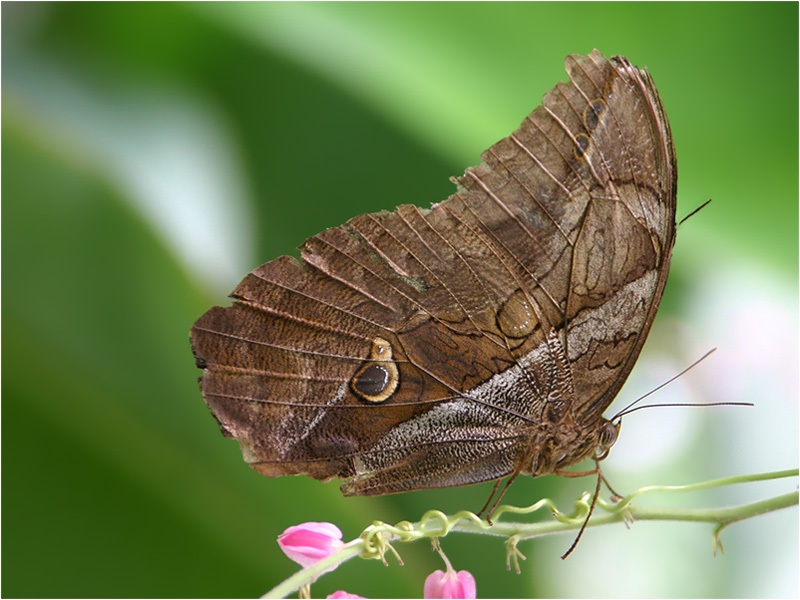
{"x":308,"y":543}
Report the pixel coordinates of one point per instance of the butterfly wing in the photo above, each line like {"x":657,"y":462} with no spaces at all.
{"x":421,"y":348}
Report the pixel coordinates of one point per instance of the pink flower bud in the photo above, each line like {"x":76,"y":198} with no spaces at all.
{"x":344,"y":595}
{"x":450,"y":584}
{"x":308,"y":543}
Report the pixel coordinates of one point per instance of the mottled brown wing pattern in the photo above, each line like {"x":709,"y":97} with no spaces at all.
{"x":485,"y":336}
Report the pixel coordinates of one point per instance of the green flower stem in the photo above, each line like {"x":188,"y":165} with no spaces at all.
{"x":310,"y":574}
{"x":376,"y":539}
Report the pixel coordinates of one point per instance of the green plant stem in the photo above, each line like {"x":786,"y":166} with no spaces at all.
{"x":310,"y":574}
{"x":720,"y":516}
{"x":377,"y":538}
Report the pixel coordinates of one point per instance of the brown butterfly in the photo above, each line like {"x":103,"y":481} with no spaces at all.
{"x":476,"y":340}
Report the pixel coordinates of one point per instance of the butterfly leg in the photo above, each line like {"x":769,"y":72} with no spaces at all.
{"x":534,"y":451}
{"x":595,"y":471}
{"x":614,"y":493}
{"x":491,"y":495}
{"x":509,"y":481}
{"x":600,"y":479}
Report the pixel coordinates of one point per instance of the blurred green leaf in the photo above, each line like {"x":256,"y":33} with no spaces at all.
{"x":155,"y":152}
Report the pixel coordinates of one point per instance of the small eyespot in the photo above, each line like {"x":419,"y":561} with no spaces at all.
{"x":516,"y":318}
{"x":593,"y":112}
{"x":582,"y":143}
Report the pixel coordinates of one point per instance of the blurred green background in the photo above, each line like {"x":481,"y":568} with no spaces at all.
{"x":155,"y":153}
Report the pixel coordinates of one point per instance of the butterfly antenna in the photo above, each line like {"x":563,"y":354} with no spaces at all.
{"x":627,"y":409}
{"x":694,"y":212}
{"x":666,"y":404}
{"x":632,"y":408}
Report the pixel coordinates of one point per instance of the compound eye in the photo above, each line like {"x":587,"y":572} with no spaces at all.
{"x":606,"y":438}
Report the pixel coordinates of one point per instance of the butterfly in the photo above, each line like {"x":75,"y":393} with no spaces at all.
{"x":476,"y":340}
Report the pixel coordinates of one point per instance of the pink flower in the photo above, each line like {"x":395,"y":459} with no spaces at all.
{"x":308,"y":543}
{"x":450,"y":584}
{"x":344,"y":595}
